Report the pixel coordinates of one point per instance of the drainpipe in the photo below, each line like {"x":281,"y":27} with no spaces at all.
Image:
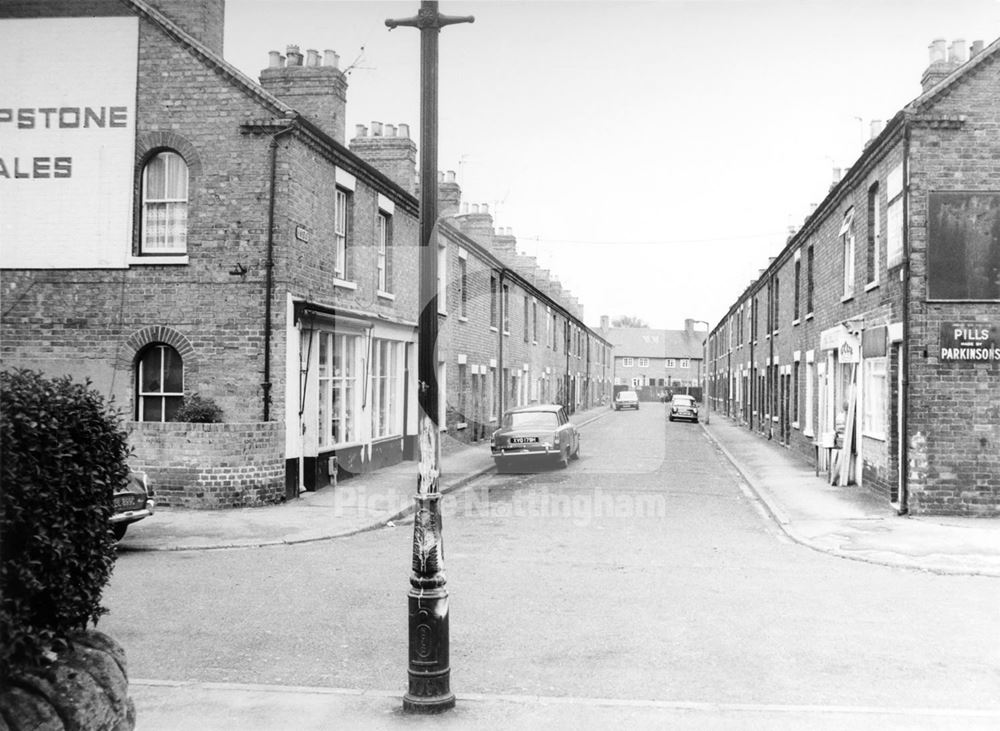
{"x":502,"y":309}
{"x":771,"y":380}
{"x":269,"y":271}
{"x":904,"y":456}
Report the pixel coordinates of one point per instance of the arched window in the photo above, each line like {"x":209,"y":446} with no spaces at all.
{"x":159,"y":383}
{"x":164,"y":204}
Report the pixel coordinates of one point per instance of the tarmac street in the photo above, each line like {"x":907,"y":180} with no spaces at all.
{"x":649,"y":584}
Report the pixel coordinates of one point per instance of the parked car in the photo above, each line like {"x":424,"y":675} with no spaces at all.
{"x":627,"y":400}
{"x":540,"y":432}
{"x":133,"y":501}
{"x":683,"y":406}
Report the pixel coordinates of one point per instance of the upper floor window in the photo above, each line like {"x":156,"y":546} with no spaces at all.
{"x":847,"y":238}
{"x":164,"y":204}
{"x":442,"y":281}
{"x":383,"y":243}
{"x":810,"y":281}
{"x":340,"y":232}
{"x":493,"y":301}
{"x":874,"y":234}
{"x":685,"y":363}
{"x":463,"y":280}
{"x":160,"y":383}
{"x":671,"y":363}
{"x":644,"y":362}
{"x":798,"y":287}
{"x":627,"y":362}
{"x":505,"y":307}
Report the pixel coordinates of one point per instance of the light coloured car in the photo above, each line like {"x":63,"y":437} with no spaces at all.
{"x":683,"y":406}
{"x":627,"y":400}
{"x":532,"y":434}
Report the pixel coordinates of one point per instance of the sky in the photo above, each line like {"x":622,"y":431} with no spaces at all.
{"x":652,"y":155}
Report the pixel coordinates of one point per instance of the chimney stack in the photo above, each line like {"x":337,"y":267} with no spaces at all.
{"x":605,"y":323}
{"x":449,"y":194}
{"x":393,"y":154}
{"x":203,"y":19}
{"x":943,"y":61}
{"x":317,"y":90}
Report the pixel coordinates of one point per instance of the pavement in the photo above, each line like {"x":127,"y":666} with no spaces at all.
{"x":848,"y":522}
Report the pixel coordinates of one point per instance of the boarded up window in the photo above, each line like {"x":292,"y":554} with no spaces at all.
{"x":963,"y":258}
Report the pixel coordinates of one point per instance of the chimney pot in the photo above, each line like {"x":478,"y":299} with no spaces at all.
{"x":360,"y":130}
{"x":475,"y":208}
{"x":404,"y":131}
{"x":450,"y":176}
{"x":294,"y":56}
{"x":331,"y":59}
{"x":465,"y":208}
{"x":876,"y":128}
{"x":276,"y":60}
{"x":485,"y":208}
{"x":977,"y":47}
{"x":390,"y":130}
{"x":376,"y":129}
{"x":312,"y":57}
{"x":937,"y":50}
{"x":440,"y":176}
{"x":957,"y":52}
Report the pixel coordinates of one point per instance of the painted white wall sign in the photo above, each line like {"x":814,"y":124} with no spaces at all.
{"x":67,"y":142}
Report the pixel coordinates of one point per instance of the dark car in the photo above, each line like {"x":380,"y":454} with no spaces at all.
{"x":683,"y":407}
{"x":627,"y":400}
{"x":133,"y":501}
{"x":540,"y":432}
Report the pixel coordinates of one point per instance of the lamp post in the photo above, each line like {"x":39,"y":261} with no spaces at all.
{"x":429,"y":689}
{"x":704,"y":360}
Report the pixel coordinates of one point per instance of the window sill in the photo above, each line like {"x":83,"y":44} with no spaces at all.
{"x":808,"y":433}
{"x":344,"y":284}
{"x":877,"y":437}
{"x":870,"y":286}
{"x":461,"y":425}
{"x":493,"y":329}
{"x":795,"y":322}
{"x":809,"y":316}
{"x":158,"y":260}
{"x":795,"y":425}
{"x":463,"y":318}
{"x":847,"y":298}
{"x":385,"y":295}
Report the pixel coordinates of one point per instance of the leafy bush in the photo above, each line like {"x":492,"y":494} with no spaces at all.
{"x":64,"y":451}
{"x":198,"y":410}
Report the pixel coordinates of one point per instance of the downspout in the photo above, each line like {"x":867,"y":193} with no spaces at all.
{"x":904,"y":456}
{"x":771,"y":369}
{"x":751,"y":375}
{"x":269,"y":271}
{"x":502,"y":309}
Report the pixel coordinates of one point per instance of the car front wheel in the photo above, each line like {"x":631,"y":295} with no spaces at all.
{"x":119,"y":530}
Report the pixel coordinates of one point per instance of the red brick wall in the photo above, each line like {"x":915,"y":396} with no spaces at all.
{"x":954,"y":422}
{"x":211,"y":465}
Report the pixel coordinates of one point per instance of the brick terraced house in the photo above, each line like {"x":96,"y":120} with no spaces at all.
{"x":180,"y":229}
{"x":871,"y":343}
{"x":653,"y":362}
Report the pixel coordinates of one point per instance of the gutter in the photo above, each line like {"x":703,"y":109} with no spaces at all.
{"x":269,"y":269}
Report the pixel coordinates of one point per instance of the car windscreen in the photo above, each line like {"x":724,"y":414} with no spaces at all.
{"x":627,"y":396}
{"x":683,"y":400}
{"x":531,"y":420}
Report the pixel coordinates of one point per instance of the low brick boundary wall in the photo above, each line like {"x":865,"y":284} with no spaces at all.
{"x":211,"y":465}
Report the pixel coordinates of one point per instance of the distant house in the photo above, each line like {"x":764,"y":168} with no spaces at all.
{"x":653,"y":361}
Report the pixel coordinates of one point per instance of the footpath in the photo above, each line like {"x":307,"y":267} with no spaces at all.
{"x":846,"y":522}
